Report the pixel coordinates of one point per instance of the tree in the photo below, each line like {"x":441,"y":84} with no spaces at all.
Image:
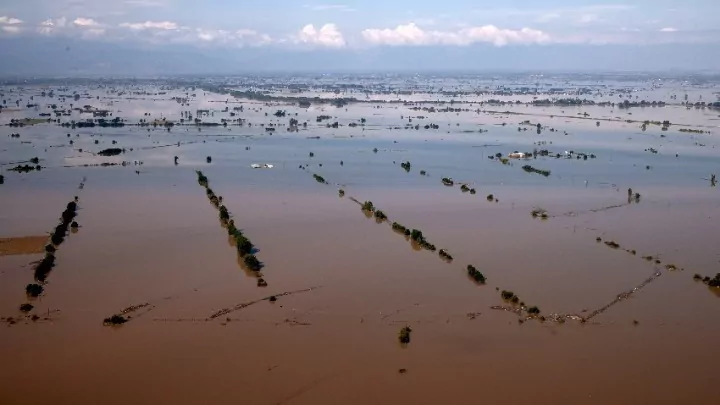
{"x":252,"y":262}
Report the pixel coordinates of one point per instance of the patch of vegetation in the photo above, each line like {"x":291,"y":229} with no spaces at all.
{"x":110,"y":152}
{"x":404,"y":335}
{"x":115,"y":320}
{"x":509,"y":296}
{"x":712,"y":282}
{"x":25,"y":168}
{"x":262,"y":283}
{"x":612,"y":244}
{"x":531,"y":169}
{"x":400,"y":228}
{"x":379,"y":215}
{"x":224,"y":214}
{"x":490,"y":197}
{"x":242,"y":243}
{"x":44,"y":267}
{"x":443,"y":253}
{"x":368,"y":206}
{"x":423,"y":172}
{"x":464,"y":188}
{"x":447,"y":181}
{"x":406,"y":166}
{"x":319,"y":179}
{"x":252,"y":262}
{"x":34,"y":290}
{"x":341,"y":192}
{"x":417,"y":236}
{"x":475,"y":274}
{"x":202,"y":180}
{"x":26,"y":307}
{"x":539,"y":212}
{"x":533,"y":310}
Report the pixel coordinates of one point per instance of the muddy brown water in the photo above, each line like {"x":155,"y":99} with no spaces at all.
{"x":23,"y":245}
{"x":338,"y":343}
{"x":154,"y":238}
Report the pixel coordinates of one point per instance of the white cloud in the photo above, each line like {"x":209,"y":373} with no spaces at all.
{"x":411,"y":34}
{"x":85,"y":22}
{"x":11,"y":29}
{"x":668,"y":29}
{"x":158,"y":25}
{"x":49,"y":26}
{"x":9,"y":20}
{"x":328,"y":36}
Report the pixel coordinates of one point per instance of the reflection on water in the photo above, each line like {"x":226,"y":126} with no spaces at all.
{"x":149,"y":236}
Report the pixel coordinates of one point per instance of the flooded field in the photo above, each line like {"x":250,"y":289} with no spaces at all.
{"x":424,"y":240}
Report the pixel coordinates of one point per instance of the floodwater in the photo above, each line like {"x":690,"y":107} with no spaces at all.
{"x":148,"y":235}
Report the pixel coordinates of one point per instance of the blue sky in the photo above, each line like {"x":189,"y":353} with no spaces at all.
{"x":353,"y":26}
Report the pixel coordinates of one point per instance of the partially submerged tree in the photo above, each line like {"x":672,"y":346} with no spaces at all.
{"x":115,"y":320}
{"x":34,"y":290}
{"x":404,"y":335}
{"x":368,"y":206}
{"x":475,"y":274}
{"x":252,"y":262}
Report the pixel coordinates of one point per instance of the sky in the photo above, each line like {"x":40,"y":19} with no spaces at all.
{"x":214,"y":36}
